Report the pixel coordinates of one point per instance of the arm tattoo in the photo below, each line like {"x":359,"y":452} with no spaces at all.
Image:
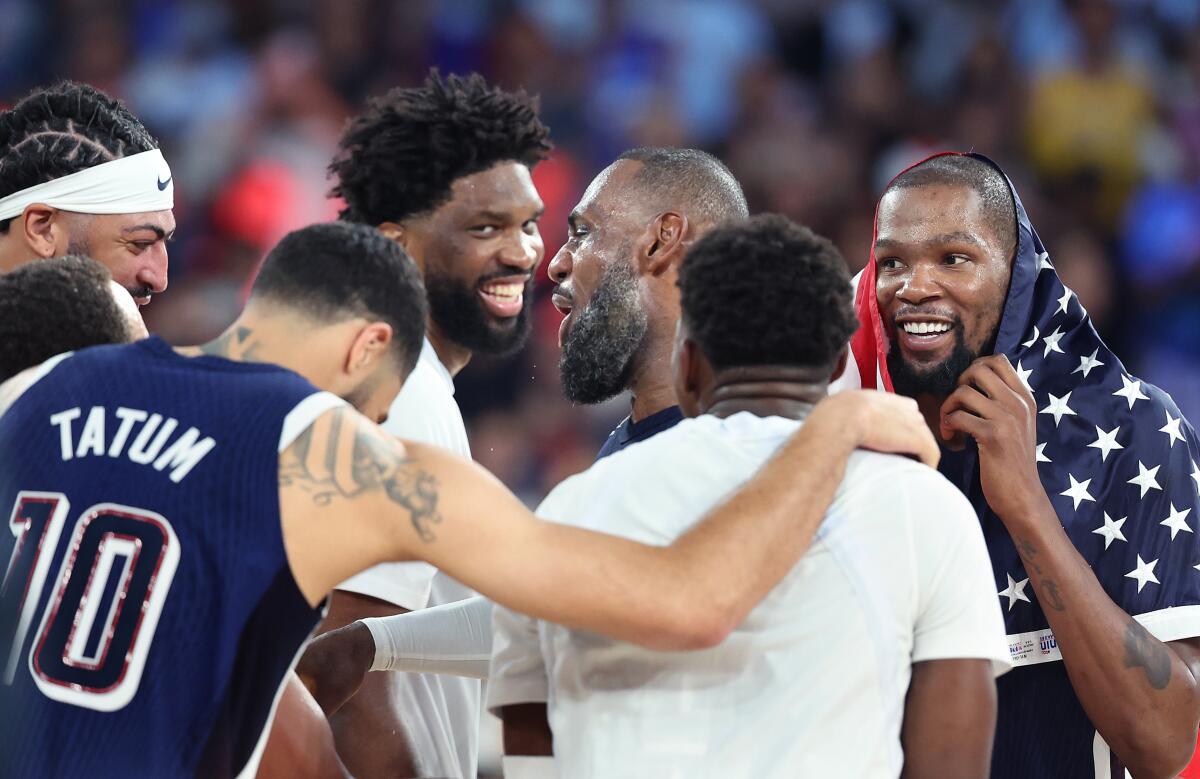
{"x":346,"y":459}
{"x":1144,"y":651}
{"x":1028,"y":552}
{"x":1051,"y":588}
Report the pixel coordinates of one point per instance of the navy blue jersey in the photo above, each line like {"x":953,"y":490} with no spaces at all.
{"x":629,"y":432}
{"x":148,"y":615}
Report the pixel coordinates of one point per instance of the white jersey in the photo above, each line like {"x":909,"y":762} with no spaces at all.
{"x":814,"y":682}
{"x":441,"y":713}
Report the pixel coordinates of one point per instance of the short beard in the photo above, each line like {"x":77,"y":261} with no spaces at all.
{"x":459,"y":313}
{"x":598,"y":354}
{"x":938,"y":380}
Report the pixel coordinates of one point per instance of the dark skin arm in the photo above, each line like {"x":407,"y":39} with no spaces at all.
{"x":526,"y":729}
{"x":949,"y":720}
{"x":1108,"y":655}
{"x":367,"y":728}
{"x":300,"y":745}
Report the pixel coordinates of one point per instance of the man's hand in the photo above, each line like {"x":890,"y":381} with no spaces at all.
{"x":993,"y":406}
{"x":880,"y":421}
{"x":334,"y":664}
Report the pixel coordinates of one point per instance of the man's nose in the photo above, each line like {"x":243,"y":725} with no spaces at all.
{"x":560,"y":266}
{"x":920,"y":285}
{"x":524,"y":253}
{"x":153,"y":270}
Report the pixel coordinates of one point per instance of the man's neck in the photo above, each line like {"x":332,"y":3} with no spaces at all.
{"x":277,"y":338}
{"x":452,"y":355}
{"x":766,"y":391}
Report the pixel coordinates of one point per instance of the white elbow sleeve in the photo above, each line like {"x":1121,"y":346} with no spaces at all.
{"x":453,"y":639}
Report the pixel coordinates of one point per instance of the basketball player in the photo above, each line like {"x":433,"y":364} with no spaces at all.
{"x":100,"y":312}
{"x":1087,"y":499}
{"x":56,"y":198}
{"x":150,"y":539}
{"x":816,"y":682}
{"x":444,"y":169}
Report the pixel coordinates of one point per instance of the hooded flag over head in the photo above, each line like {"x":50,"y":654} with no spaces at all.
{"x":1119,"y":464}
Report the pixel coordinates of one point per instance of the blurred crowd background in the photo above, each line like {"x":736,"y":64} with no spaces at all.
{"x":1092,"y":106}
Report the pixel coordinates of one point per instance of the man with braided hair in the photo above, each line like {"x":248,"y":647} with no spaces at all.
{"x":79,"y":174}
{"x":443,"y":169}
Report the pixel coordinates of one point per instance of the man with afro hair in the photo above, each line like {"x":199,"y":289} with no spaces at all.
{"x":443,"y":169}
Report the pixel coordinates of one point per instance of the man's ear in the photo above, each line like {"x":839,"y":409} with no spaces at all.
{"x":368,"y":348}
{"x":405,"y":237}
{"x":841,"y":365}
{"x":692,"y":372}
{"x":664,"y":244}
{"x":43,"y":228}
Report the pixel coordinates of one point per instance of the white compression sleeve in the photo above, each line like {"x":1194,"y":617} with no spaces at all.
{"x":454,"y":638}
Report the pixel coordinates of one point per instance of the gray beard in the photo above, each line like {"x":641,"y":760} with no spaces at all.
{"x":598,"y":354}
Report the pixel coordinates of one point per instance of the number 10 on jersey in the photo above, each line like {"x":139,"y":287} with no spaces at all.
{"x":90,"y":642}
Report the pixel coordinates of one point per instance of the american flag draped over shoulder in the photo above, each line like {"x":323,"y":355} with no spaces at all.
{"x":1119,"y":463}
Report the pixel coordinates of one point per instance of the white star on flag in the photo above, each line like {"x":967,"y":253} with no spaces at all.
{"x":1106,"y":441}
{"x":1023,"y":375}
{"x":1171,"y":429}
{"x":1145,"y":478}
{"x":1058,"y":407}
{"x":1051,"y":342}
{"x":1015,"y":591}
{"x":1196,"y":475}
{"x":1040,"y":455}
{"x":1131,"y":391}
{"x":1078,"y":491}
{"x":1087,"y":363}
{"x":1064,"y":301}
{"x":1143,"y":573}
{"x":1032,"y":339}
{"x":1177,"y":521}
{"x":1044,"y":261}
{"x":1111,"y":529}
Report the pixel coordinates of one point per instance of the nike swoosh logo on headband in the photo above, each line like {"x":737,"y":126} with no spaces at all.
{"x":162,"y":185}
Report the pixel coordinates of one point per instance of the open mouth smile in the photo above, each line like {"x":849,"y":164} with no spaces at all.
{"x":504,"y":297}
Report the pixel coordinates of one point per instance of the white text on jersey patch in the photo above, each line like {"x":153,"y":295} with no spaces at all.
{"x":148,"y":446}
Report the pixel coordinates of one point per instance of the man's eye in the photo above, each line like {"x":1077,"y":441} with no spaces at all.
{"x":531,"y":226}
{"x":954,"y":259}
{"x":485,"y":230}
{"x":890,"y":263}
{"x":142,"y":246}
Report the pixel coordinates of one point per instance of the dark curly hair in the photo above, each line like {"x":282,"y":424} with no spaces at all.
{"x":767,"y":291}
{"x":63,"y":129}
{"x":49,"y":307}
{"x":374,"y":278}
{"x":401,"y":156}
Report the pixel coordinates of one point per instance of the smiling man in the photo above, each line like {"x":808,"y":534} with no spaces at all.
{"x":443,"y":169}
{"x":79,"y":174}
{"x":1084,"y":477}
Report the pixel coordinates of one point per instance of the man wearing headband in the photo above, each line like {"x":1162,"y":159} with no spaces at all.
{"x":79,"y":174}
{"x":1084,"y":477}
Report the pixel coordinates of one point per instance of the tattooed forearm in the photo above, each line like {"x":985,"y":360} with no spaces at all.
{"x":1055,"y":601}
{"x":339,"y":457}
{"x":1028,"y":553}
{"x":1144,"y":651}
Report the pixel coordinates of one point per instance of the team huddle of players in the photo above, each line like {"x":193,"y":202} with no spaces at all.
{"x":738,"y":587}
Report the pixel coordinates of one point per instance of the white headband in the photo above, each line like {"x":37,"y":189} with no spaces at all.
{"x":129,"y":185}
